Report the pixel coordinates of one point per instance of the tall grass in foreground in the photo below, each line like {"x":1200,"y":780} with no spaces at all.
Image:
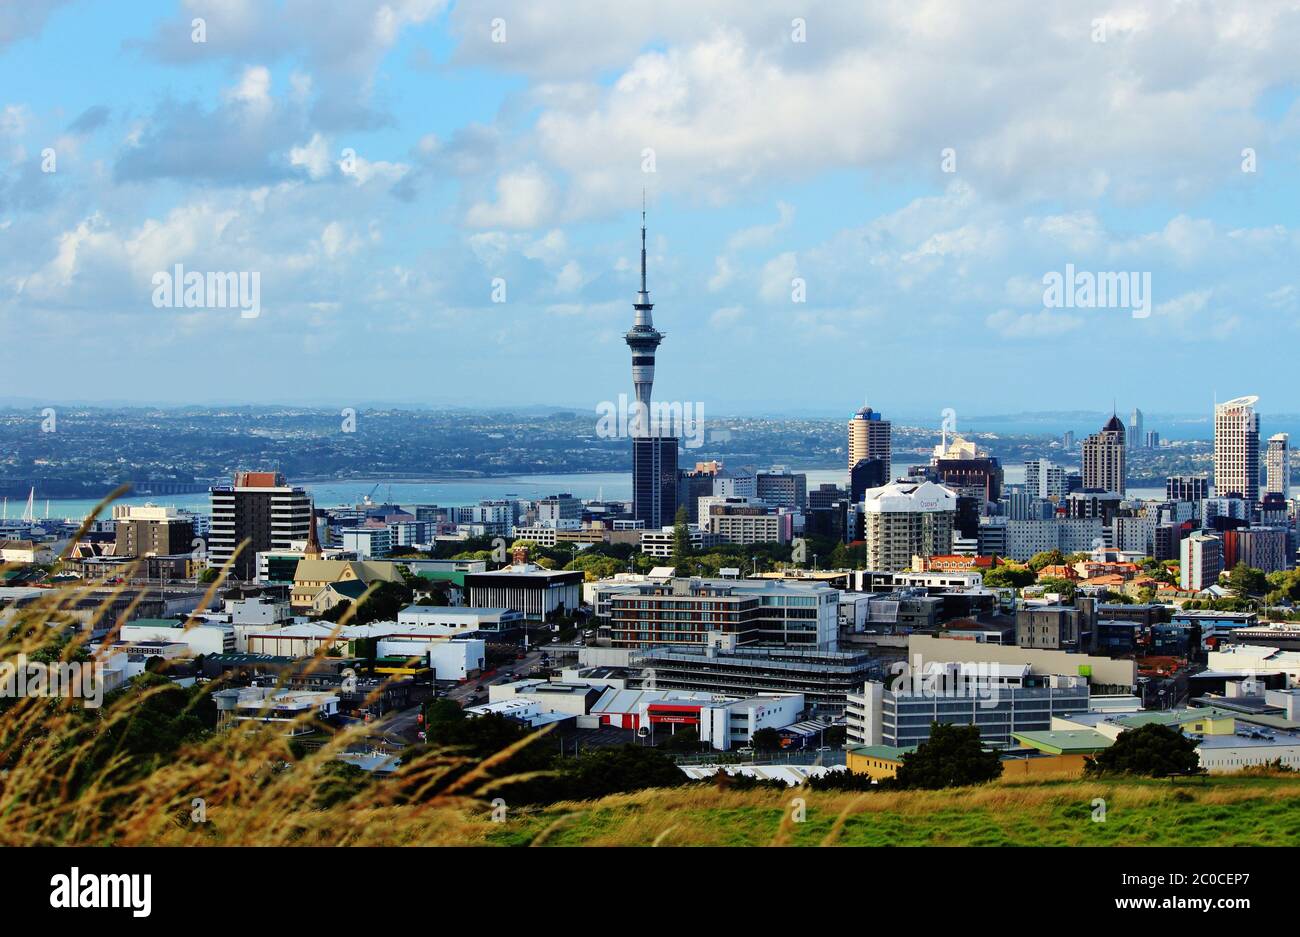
{"x":70,"y":774}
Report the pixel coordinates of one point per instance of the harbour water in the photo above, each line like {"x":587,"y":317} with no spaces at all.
{"x":456,"y":492}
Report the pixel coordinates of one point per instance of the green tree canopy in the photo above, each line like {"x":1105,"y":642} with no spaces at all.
{"x":954,"y":756}
{"x":1046,"y":558}
{"x":1151,"y":750}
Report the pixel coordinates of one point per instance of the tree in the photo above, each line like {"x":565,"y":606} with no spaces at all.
{"x":954,"y":756}
{"x":1007,"y":576}
{"x":383,"y":604}
{"x":683,"y":740}
{"x":1064,"y":587}
{"x":1151,"y":751}
{"x":441,"y":711}
{"x":766,"y":740}
{"x":681,"y":539}
{"x":1046,"y":558}
{"x":1245,"y":581}
{"x":606,"y":771}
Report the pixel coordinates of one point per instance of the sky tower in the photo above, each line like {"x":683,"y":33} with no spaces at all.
{"x":654,"y":449}
{"x":643,"y":338}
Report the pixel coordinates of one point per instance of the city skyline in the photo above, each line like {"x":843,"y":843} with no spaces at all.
{"x":380,"y":225}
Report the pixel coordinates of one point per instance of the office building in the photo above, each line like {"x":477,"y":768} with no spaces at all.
{"x":661,"y":543}
{"x":1104,"y":462}
{"x":865,"y":474}
{"x":870,"y":438}
{"x":967,"y":470}
{"x":735,"y":483}
{"x":1001,"y":699}
{"x":523,"y":587}
{"x":1057,"y":627}
{"x":902,"y":520}
{"x":367,"y":542}
{"x":654,"y":480}
{"x":1187,"y":487}
{"x":553,"y":511}
{"x":1135,"y":431}
{"x":781,"y":488}
{"x":261,"y":508}
{"x":1277,"y":466}
{"x":694,"y":485}
{"x":1236,"y":449}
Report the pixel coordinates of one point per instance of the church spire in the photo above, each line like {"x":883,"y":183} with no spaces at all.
{"x":312,"y":550}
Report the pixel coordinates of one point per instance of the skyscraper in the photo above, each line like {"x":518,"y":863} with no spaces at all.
{"x":259,"y":507}
{"x":654,"y":453}
{"x":1236,"y":449}
{"x":1135,"y":436}
{"x":1104,"y":462}
{"x":1045,"y":479}
{"x":1277,"y":466}
{"x":654,"y":480}
{"x":905,"y":519}
{"x":869,"y":438}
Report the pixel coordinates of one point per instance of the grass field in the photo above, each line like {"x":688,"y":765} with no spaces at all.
{"x":1220,"y":812}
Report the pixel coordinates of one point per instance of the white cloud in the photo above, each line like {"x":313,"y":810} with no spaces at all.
{"x":314,"y":156}
{"x":523,"y":200}
{"x":1046,"y":323}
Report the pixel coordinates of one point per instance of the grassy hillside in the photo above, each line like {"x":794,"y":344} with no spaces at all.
{"x":1227,"y":811}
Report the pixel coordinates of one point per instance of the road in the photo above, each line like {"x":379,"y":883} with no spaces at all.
{"x":403,"y":723}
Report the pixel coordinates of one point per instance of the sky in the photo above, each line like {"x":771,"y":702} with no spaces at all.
{"x":846,"y":203}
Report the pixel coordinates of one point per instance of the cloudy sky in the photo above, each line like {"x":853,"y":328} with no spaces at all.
{"x":913,"y":169}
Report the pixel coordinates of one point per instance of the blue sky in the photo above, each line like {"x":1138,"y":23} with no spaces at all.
{"x":774,"y":159}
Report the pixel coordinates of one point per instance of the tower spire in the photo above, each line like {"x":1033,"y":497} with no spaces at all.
{"x":643,"y":287}
{"x":643,"y":338}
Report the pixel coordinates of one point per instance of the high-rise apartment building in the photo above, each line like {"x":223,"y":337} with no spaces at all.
{"x":148,"y":529}
{"x":904,"y":519}
{"x":1236,"y":449}
{"x":1200,"y":561}
{"x":1277,"y":466}
{"x":869,"y":438}
{"x":261,"y":508}
{"x":1045,"y":479}
{"x":1104,"y":462}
